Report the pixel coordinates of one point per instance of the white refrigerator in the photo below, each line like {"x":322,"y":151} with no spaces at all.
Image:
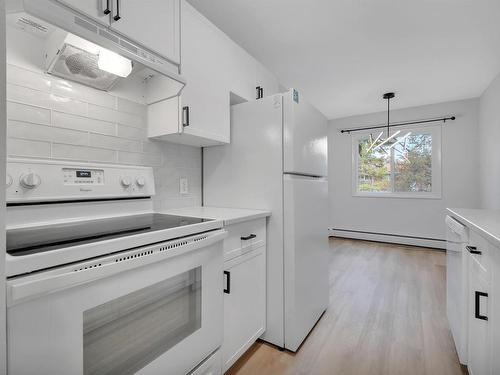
{"x":277,"y":160}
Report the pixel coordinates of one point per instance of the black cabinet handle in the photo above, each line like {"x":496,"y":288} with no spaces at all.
{"x":107,"y":10}
{"x":117,"y":16}
{"x":185,"y":116}
{"x":249,"y":237}
{"x":473,"y":250}
{"x":227,"y":289}
{"x":260,"y":92}
{"x":477,"y":312}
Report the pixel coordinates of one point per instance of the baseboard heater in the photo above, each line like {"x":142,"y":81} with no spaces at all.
{"x":435,"y":243}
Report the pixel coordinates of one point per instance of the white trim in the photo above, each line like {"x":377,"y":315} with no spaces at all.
{"x":389,"y":238}
{"x":435,"y":131}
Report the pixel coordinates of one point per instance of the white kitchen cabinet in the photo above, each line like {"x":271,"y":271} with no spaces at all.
{"x":214,"y":67}
{"x":479,"y":357}
{"x":244,"y":304}
{"x":245,"y":74}
{"x":155,"y":24}
{"x":98,"y":10}
{"x":204,"y":106}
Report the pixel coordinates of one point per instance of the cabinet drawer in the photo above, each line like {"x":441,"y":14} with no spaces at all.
{"x":479,"y":248}
{"x":244,"y":237}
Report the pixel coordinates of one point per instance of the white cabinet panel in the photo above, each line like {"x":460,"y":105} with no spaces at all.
{"x":206,"y":95}
{"x":98,"y":10}
{"x":244,"y":304}
{"x":153,"y":23}
{"x":479,"y":358}
{"x":244,"y":237}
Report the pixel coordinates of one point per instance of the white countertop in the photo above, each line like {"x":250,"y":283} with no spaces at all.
{"x":228,"y":215}
{"x":484,"y":222}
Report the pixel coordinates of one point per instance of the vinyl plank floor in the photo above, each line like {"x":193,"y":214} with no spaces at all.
{"x":387,"y":315}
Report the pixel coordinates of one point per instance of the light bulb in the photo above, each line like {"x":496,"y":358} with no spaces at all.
{"x":112,"y":62}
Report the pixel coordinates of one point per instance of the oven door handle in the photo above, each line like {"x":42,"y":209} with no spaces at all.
{"x":21,"y":289}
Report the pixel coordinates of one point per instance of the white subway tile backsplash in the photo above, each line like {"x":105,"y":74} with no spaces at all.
{"x":27,"y":78}
{"x":134,"y":158}
{"x":53,"y":118}
{"x":107,"y":114}
{"x":25,"y":130}
{"x":68,"y":105}
{"x":28,"y":113}
{"x":82,"y":123}
{"x":115,"y":143}
{"x":131,"y":132}
{"x":23,"y":147}
{"x":87,"y":94}
{"x":82,"y":153}
{"x":42,"y":99}
{"x":125,"y":105}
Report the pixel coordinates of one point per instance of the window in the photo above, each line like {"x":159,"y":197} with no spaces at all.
{"x":405,"y":164}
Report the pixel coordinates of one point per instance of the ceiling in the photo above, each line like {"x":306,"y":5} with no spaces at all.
{"x":344,"y":54}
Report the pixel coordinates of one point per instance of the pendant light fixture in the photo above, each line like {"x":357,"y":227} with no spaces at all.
{"x":388,"y":96}
{"x":390,"y":140}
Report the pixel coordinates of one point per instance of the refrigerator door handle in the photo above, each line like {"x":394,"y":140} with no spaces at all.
{"x":303,"y":175}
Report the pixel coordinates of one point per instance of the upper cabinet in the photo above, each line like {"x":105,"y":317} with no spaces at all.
{"x":98,"y":10}
{"x":218,"y":72}
{"x":154,"y":24}
{"x":205,"y":99}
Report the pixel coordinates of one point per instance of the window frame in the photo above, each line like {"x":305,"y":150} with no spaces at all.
{"x":436,"y":193}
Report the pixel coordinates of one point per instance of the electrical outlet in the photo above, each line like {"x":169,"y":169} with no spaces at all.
{"x":183,"y":185}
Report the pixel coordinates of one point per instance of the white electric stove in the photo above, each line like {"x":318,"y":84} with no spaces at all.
{"x":98,"y":283}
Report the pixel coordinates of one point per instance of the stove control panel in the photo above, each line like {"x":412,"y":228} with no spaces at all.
{"x":74,"y":176}
{"x":31,"y":180}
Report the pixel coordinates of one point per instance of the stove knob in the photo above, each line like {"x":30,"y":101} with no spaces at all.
{"x":140,"y":181}
{"x":8,"y":180}
{"x":126,"y":181}
{"x":30,"y":180}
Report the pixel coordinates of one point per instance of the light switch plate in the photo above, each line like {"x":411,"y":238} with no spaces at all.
{"x":183,"y":185}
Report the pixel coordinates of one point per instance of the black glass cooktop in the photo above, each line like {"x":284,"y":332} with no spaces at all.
{"x":51,"y":237}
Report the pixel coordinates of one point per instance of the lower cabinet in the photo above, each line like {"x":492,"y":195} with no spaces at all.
{"x":244,"y":304}
{"x":479,"y":357}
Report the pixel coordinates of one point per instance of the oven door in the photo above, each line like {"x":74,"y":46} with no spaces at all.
{"x":152,"y":310}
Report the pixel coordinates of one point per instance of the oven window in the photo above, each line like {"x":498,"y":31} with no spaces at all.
{"x":124,"y":335}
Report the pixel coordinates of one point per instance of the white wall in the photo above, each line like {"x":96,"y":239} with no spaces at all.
{"x":401,"y":216}
{"x":3,"y":369}
{"x":52,"y":118}
{"x":489,"y":136}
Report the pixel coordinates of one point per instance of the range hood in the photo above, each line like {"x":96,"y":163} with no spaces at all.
{"x":91,"y":54}
{"x":71,"y":57}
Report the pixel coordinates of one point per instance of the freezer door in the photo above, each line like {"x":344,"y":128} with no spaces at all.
{"x":304,"y":136}
{"x":306,"y":255}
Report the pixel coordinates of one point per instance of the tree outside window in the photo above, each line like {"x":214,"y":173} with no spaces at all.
{"x":406,"y":164}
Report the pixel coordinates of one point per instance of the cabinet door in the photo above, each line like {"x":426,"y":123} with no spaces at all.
{"x":98,"y":10}
{"x":244,"y":304}
{"x":153,"y":23}
{"x":206,"y":94}
{"x":479,"y":358}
